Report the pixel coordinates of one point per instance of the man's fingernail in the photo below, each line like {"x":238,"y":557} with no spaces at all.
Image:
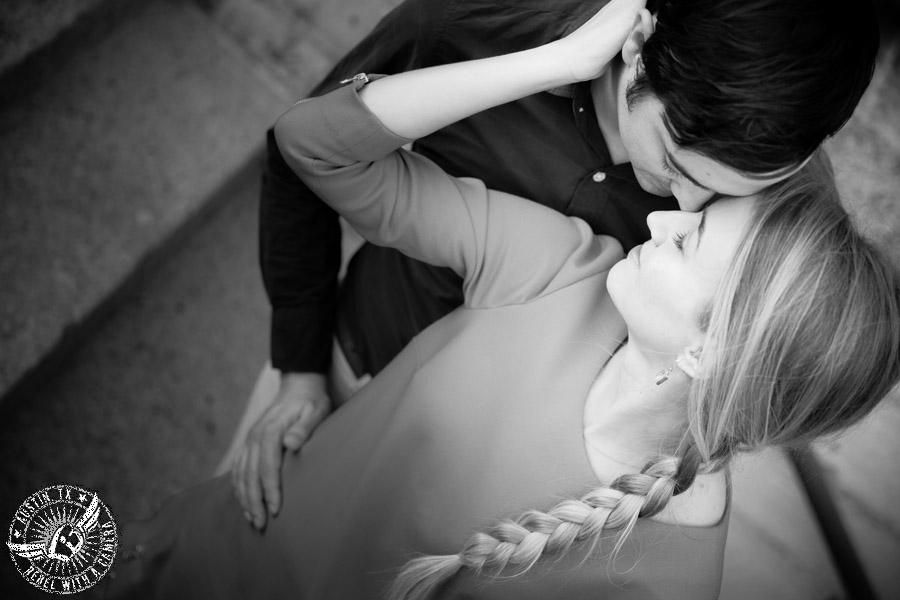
{"x":248,"y":516}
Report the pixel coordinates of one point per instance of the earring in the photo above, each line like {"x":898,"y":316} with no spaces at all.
{"x":663,"y":376}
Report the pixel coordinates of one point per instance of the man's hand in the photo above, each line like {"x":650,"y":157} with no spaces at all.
{"x":301,"y":404}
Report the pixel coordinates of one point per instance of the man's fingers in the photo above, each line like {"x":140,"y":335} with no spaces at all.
{"x":288,"y":422}
{"x":253,"y":488}
{"x":259,"y":470}
{"x":270,"y":470}
{"x":237,"y":483}
{"x":296,"y":436}
{"x":293,"y":441}
{"x":299,"y":432}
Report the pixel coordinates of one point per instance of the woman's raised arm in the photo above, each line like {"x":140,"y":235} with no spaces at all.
{"x":417,"y":103}
{"x":343,"y":146}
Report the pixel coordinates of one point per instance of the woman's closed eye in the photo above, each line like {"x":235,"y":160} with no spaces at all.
{"x":678,"y":239}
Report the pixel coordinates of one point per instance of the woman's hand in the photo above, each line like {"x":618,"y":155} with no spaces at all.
{"x":588,"y":50}
{"x":417,"y":103}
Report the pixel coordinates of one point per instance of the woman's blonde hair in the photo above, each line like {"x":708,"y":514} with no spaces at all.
{"x":803,"y":340}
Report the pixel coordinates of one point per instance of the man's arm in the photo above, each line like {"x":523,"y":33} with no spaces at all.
{"x":299,"y":234}
{"x":300,"y":246}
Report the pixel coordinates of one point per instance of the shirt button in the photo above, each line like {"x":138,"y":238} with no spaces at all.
{"x":580,"y":109}
{"x":599,"y":176}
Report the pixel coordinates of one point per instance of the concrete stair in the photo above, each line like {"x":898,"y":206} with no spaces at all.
{"x":119,"y":121}
{"x":29,"y":27}
{"x":108,"y":152}
{"x":132,"y":320}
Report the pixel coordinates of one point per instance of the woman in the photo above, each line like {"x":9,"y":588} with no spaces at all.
{"x":577,"y":406}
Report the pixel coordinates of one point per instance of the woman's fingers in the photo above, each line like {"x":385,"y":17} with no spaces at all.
{"x":595,"y":44}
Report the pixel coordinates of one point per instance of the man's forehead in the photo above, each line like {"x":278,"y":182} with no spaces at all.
{"x":720,"y":178}
{"x":706,"y":172}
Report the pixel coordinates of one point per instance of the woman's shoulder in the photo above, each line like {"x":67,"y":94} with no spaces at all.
{"x":531,"y":250}
{"x":704,"y":504}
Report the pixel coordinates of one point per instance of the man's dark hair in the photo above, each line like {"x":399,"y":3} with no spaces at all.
{"x":757,"y":85}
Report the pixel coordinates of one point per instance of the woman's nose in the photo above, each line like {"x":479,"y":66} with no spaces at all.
{"x":657,"y":223}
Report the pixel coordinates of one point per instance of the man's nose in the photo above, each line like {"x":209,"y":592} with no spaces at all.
{"x":692,"y":198}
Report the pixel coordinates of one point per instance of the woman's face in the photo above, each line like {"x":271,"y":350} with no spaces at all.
{"x":663,"y":286}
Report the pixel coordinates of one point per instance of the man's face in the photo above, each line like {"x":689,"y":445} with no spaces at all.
{"x":665,"y":169}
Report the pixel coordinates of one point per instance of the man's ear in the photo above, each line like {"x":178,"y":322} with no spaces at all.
{"x":644,"y":26}
{"x":689,"y":361}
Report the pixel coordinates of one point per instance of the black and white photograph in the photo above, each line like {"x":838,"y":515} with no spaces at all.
{"x":450,"y":299}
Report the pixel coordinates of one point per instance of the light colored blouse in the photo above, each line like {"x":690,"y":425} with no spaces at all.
{"x":479,"y":418}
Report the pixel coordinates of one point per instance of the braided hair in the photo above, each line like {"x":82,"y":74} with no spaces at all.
{"x":803,"y":340}
{"x":513,"y":546}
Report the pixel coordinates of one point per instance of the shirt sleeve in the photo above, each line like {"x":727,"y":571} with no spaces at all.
{"x":507,"y":250}
{"x":299,"y":236}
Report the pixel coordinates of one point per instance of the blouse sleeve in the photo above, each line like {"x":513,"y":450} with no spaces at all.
{"x":506,"y":249}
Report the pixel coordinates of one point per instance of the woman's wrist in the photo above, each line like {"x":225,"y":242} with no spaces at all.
{"x":416,"y":103}
{"x":557,"y":62}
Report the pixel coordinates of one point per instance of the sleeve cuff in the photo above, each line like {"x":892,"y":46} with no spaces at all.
{"x":301,"y":339}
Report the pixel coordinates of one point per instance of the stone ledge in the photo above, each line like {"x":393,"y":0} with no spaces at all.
{"x":28,"y":28}
{"x":27,"y":25}
{"x":117,"y":133}
{"x":104,"y":161}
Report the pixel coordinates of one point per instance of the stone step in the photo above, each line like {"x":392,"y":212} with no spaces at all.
{"x":109,"y":148}
{"x":118,"y":122}
{"x":27,"y":27}
{"x":145,"y":406}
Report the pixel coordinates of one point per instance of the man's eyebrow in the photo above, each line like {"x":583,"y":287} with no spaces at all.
{"x":682,"y":170}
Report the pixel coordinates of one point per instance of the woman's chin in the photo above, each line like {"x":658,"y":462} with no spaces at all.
{"x":616,"y":281}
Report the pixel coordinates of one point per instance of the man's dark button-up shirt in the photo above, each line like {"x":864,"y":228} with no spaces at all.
{"x":547,"y":148}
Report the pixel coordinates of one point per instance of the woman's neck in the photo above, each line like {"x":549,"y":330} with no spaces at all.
{"x":628,"y":418}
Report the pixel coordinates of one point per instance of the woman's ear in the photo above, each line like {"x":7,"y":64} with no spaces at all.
{"x":644,"y":26}
{"x":689,"y":361}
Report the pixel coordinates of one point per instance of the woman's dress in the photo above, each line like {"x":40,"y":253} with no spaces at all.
{"x":479,"y":418}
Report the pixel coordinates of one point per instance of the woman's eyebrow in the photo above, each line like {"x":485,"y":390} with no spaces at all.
{"x":700,"y":228}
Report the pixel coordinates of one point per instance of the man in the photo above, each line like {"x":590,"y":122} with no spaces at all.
{"x":710,"y":97}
